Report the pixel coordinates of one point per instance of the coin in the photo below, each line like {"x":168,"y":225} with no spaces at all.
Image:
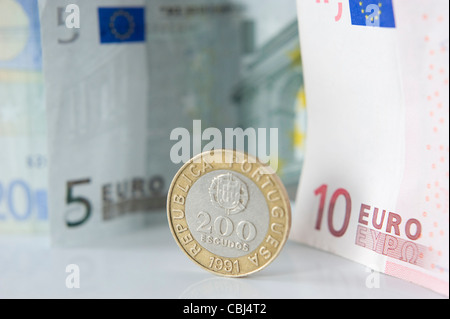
{"x":229,"y":212}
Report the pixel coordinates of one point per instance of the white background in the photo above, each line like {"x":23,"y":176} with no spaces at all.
{"x":149,"y":264}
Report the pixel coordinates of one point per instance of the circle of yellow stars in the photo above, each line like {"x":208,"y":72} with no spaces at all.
{"x":115,"y":32}
{"x":379,"y":11}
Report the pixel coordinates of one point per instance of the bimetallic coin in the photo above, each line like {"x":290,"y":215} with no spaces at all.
{"x":228,"y":212}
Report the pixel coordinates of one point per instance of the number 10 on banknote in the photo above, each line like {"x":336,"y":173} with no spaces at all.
{"x":385,"y":226}
{"x":375,"y":181}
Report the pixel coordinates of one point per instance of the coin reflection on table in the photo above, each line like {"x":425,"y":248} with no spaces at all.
{"x":229,"y":212}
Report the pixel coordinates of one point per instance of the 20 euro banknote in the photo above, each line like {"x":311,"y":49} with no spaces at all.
{"x":23,"y":143}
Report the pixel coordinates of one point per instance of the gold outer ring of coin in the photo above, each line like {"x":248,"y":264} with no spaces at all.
{"x":268,"y":183}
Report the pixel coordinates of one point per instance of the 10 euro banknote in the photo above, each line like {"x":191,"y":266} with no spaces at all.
{"x":375,"y":182}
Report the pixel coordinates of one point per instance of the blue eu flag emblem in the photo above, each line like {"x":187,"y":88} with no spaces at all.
{"x":119,"y":25}
{"x":372,"y":13}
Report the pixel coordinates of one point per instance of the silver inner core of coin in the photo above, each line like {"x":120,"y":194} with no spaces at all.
{"x":227,"y":213}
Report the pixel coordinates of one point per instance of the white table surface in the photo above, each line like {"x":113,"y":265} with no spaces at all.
{"x":149,"y":264}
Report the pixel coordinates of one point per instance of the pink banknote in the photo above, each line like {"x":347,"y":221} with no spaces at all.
{"x":375,"y":182}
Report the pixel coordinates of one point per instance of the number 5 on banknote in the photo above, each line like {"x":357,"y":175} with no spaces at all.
{"x":71,"y":199}
{"x":63,"y":21}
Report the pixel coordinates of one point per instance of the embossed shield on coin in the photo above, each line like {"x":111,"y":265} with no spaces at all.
{"x":228,"y":212}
